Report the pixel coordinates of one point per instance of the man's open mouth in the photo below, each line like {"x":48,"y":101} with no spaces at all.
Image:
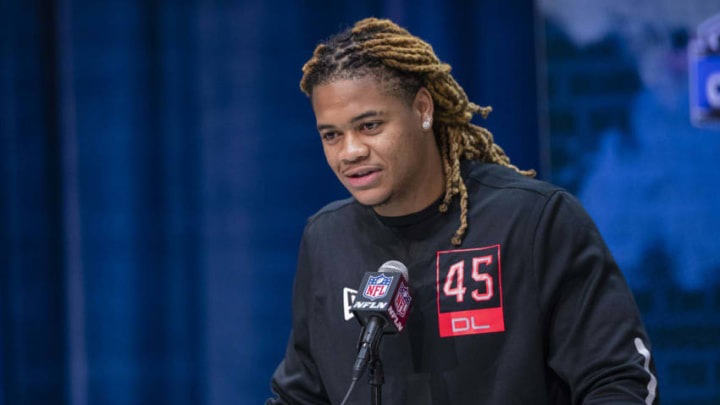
{"x":363,"y":173}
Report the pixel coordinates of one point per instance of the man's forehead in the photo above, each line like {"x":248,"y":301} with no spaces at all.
{"x":343,"y":101}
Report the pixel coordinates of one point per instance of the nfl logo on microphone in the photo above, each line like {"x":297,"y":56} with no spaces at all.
{"x":402,"y":302}
{"x":377,"y":287}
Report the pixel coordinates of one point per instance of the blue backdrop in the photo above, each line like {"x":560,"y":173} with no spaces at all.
{"x":621,"y":139}
{"x":158,"y":162}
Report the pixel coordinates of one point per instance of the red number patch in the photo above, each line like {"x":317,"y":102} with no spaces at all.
{"x":473,"y":304}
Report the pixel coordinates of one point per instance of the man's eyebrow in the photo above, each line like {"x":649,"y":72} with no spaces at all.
{"x":367,"y":114}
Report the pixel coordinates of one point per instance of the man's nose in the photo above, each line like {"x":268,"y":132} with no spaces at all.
{"x":354,"y":148}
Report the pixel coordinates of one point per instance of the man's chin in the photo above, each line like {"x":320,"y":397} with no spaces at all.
{"x":376,"y":202}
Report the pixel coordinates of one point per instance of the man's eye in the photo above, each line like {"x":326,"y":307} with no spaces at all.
{"x":329,"y":136}
{"x":369,"y":126}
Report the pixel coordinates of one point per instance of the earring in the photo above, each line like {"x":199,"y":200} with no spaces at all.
{"x":426,"y":125}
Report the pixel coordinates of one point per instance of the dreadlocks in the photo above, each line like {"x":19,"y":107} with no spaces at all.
{"x":405,"y":63}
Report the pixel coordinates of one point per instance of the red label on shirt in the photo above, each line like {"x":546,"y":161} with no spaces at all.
{"x":469,"y":291}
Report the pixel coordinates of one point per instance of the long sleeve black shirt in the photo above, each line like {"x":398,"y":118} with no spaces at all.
{"x":531,"y":309}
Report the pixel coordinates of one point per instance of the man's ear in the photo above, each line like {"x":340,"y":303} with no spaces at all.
{"x":423,"y":105}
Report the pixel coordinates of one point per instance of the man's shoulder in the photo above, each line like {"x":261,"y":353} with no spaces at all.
{"x":513,"y":190}
{"x":497,"y":177}
{"x":335,"y":209}
{"x":335,"y":218}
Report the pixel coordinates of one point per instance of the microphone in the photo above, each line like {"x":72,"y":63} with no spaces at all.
{"x":381,"y":306}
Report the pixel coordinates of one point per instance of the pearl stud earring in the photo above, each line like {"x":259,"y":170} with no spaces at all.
{"x":426,"y":125}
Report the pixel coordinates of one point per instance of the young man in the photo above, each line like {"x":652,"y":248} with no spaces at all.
{"x":516,"y":299}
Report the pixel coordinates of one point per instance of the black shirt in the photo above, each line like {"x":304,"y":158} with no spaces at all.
{"x":531,"y":309}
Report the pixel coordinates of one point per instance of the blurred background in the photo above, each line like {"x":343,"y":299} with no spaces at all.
{"x":158,"y":162}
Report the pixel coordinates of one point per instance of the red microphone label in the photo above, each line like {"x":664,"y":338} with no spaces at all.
{"x":402,"y":301}
{"x":469,"y":291}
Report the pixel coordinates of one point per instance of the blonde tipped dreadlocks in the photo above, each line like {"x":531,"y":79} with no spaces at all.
{"x":405,"y":63}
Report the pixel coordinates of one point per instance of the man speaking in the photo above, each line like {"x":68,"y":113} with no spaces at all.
{"x":515,"y":297}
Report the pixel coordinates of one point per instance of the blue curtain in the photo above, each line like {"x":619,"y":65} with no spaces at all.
{"x":158,"y":162}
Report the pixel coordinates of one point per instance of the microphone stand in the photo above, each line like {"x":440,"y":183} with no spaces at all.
{"x":377,"y":375}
